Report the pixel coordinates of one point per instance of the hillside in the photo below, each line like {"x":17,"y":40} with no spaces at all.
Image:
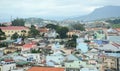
{"x":100,"y":13}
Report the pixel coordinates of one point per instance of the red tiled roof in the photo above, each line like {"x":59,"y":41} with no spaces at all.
{"x":13,"y":28}
{"x":29,"y":45}
{"x":8,"y":60}
{"x":45,"y":69}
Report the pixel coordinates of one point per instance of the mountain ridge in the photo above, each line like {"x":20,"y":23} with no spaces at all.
{"x":99,"y":13}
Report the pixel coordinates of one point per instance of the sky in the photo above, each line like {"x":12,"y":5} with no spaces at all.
{"x":50,"y":9}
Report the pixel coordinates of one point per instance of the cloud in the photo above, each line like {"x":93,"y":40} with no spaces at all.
{"x":50,"y":8}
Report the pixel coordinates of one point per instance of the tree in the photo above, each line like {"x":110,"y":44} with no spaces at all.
{"x":33,"y":31}
{"x":2,"y":25}
{"x":2,"y":35}
{"x":78,"y":27}
{"x":23,"y":34}
{"x":52,"y":26}
{"x":62,"y":32}
{"x":72,"y":43}
{"x":18,"y":22}
{"x":15,"y":36}
{"x":59,"y":29}
{"x":3,"y":44}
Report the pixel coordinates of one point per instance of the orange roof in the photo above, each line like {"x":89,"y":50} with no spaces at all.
{"x":29,"y":45}
{"x":44,"y":30}
{"x":45,"y":69}
{"x":117,"y":29}
{"x":13,"y":28}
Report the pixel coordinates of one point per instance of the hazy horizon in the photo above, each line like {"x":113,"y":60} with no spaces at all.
{"x":50,"y":9}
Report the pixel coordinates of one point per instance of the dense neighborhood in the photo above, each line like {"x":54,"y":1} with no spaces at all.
{"x":58,"y":47}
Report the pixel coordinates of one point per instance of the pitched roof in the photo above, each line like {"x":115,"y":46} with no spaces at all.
{"x":72,"y":57}
{"x":13,"y":28}
{"x":45,"y":69}
{"x":29,"y":45}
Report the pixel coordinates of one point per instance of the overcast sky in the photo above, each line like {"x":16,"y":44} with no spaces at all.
{"x":50,"y":9}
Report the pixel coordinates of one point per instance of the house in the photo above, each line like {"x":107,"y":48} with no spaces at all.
{"x":113,"y":47}
{"x":51,"y":34}
{"x":45,"y":69}
{"x":74,"y":65}
{"x":91,"y":55}
{"x":17,"y":58}
{"x":28,"y":46}
{"x":114,"y":39}
{"x":1,"y":53}
{"x":10,"y":50}
{"x":32,"y":57}
{"x":73,"y":32}
{"x":71,"y":57}
{"x":10,"y":30}
{"x":79,"y":65}
{"x":93,"y":50}
{"x":17,"y":70}
{"x":56,"y":46}
{"x":81,"y":45}
{"x":43,"y":30}
{"x":112,"y":32}
{"x":110,"y":62}
{"x":66,"y":51}
{"x":7,"y":65}
{"x":118,"y":30}
{"x":100,"y":35}
{"x":118,"y":65}
{"x":54,"y":59}
{"x":92,"y":61}
{"x":89,"y":69}
{"x":97,"y":33}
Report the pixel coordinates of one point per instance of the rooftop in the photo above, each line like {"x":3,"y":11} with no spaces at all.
{"x":14,"y":28}
{"x":45,"y":69}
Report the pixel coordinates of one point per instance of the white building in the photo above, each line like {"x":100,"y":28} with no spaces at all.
{"x":56,"y":46}
{"x":34,"y":57}
{"x":7,"y":66}
{"x":81,"y":45}
{"x":89,"y":69}
{"x":56,"y":58}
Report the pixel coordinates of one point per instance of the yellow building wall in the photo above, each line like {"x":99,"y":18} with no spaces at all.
{"x":0,"y":68}
{"x":9,"y":50}
{"x":11,"y":32}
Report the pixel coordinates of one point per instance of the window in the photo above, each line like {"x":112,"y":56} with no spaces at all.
{"x":11,"y":31}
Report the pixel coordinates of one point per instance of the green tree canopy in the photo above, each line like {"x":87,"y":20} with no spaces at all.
{"x":78,"y":27}
{"x":62,"y":31}
{"x":2,"y":35}
{"x":18,"y":22}
{"x":52,"y":26}
{"x":15,"y":36}
{"x":72,"y":43}
{"x":33,"y":31}
{"x":59,"y":29}
{"x":3,"y":25}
